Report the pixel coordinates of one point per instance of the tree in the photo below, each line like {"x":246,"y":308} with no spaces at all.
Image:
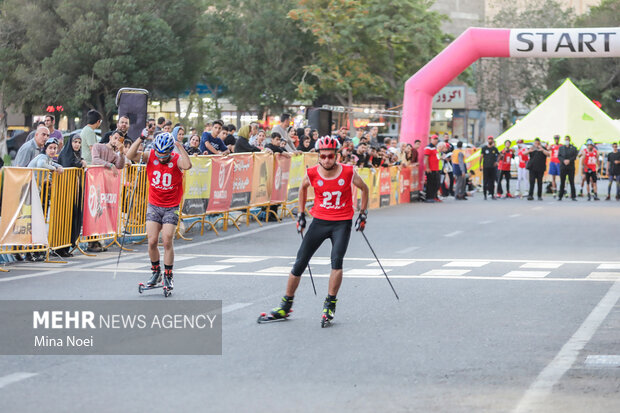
{"x":599,"y":79}
{"x":505,"y":85}
{"x":256,"y":52}
{"x":367,"y":48}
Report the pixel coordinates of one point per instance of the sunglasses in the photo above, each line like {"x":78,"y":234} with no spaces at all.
{"x":327,"y":156}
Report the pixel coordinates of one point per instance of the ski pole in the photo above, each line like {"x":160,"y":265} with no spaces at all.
{"x":309,"y":270}
{"x":133,"y":194}
{"x":379,"y":262}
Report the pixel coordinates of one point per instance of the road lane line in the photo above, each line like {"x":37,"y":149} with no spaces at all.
{"x":539,"y":390}
{"x":233,"y":307}
{"x":407,"y":250}
{"x":14,"y":378}
{"x":452,"y":234}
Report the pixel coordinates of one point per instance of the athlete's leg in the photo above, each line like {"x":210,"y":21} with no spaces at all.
{"x":167,"y":235}
{"x":317,"y":232}
{"x":340,"y":236}
{"x":152,"y":232}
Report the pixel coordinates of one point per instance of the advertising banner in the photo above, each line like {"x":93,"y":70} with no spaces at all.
{"x":414,"y":190}
{"x":296,"y":175}
{"x":394,"y":172}
{"x":281,"y":170}
{"x":366,"y":176}
{"x":375,"y":196}
{"x":261,"y":178}
{"x":197,"y":186}
{"x":311,"y":159}
{"x":101,"y":194}
{"x":384,"y":186}
{"x":242,"y":179}
{"x":22,"y":221}
{"x":404,"y":185}
{"x":569,"y":42}
{"x":221,"y":183}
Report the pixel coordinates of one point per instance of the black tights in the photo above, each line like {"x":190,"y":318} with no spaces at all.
{"x":319,"y":230}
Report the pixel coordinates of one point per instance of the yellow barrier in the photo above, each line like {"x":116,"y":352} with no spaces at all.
{"x":65,"y":202}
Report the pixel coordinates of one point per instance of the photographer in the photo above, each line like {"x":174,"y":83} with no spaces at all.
{"x":537,"y":166}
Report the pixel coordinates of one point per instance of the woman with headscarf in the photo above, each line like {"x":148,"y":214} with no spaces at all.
{"x":71,"y":157}
{"x":192,"y":147}
{"x":305,"y":144}
{"x":243,"y":143}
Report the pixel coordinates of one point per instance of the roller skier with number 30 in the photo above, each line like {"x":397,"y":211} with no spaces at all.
{"x":333,"y":214}
{"x":164,"y":170}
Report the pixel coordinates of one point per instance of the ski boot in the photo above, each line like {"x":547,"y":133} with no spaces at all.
{"x":279,"y":313}
{"x":329,"y":309}
{"x":168,"y":285}
{"x":153,"y":282}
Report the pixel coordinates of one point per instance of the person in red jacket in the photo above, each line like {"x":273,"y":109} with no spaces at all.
{"x":164,"y":170}
{"x":332,"y":213}
{"x":590,"y":163}
{"x":505,"y":160}
{"x":523,"y":177}
{"x":554,"y":162}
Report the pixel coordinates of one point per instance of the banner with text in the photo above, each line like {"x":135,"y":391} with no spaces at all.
{"x":197,"y":184}
{"x":394,"y":173}
{"x":404,"y":185}
{"x":384,"y":186}
{"x":296,"y":175}
{"x":281,"y":169}
{"x":101,"y":194}
{"x":242,"y":179}
{"x":221,"y":183}
{"x":22,"y":221}
{"x":261,"y":178}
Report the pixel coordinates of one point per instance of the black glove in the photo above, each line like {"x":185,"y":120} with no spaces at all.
{"x":301,"y":221}
{"x":360,"y":222}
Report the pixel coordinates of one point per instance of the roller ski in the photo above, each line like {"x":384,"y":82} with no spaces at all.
{"x":155,"y":282}
{"x":280,"y":313}
{"x":329,"y":310}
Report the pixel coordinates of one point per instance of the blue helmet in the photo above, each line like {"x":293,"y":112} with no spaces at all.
{"x":164,"y":142}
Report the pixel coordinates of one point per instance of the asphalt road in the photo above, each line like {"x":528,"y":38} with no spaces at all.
{"x":505,"y":306}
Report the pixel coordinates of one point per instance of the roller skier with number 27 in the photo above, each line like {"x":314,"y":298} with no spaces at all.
{"x":332,"y":219}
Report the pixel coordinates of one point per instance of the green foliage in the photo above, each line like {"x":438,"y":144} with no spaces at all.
{"x":367,"y":48}
{"x":599,"y":79}
{"x":505,"y":84}
{"x":255,"y":51}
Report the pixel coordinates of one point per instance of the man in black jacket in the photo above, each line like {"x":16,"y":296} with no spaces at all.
{"x":537,"y":166}
{"x":489,"y":153}
{"x":567,"y":156}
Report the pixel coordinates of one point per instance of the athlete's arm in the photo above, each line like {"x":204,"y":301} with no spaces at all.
{"x":303,"y":194}
{"x":359,"y":182}
{"x":133,"y":154}
{"x":184,"y":162}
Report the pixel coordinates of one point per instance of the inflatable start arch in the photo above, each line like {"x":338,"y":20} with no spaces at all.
{"x":475,"y":43}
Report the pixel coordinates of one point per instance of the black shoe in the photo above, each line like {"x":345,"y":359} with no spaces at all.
{"x":329,"y":307}
{"x":493,"y":198}
{"x":589,"y":198}
{"x":155,"y":278}
{"x":559,"y":199}
{"x":608,"y":198}
{"x":18,"y":257}
{"x":540,"y":198}
{"x":530,"y":198}
{"x":573,"y":199}
{"x":65,"y":253}
{"x":168,"y":281}
{"x":596,"y":198}
{"x":284,"y":309}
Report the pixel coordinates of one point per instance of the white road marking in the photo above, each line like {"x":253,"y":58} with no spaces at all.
{"x":544,"y":265}
{"x":611,"y":276}
{"x":123,"y":265}
{"x":243,"y":260}
{"x":285,"y":270}
{"x":609,"y":267}
{"x":233,"y":307}
{"x":407,"y":250}
{"x":473,"y":264}
{"x":391,"y":263}
{"x":538,"y":208}
{"x":446,"y":272}
{"x":515,"y":215}
{"x":317,"y":261}
{"x":40,"y":274}
{"x":539,"y":390}
{"x":485,"y":222}
{"x":602,"y":361}
{"x":527,"y":274}
{"x":14,"y":378}
{"x":206,"y":268}
{"x":452,"y":234}
{"x":364,"y":271}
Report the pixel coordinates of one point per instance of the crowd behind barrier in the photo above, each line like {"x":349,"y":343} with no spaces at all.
{"x":44,"y":211}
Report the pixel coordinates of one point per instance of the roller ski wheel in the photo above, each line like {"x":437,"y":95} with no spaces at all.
{"x":325,"y":321}
{"x":265,"y":318}
{"x":329,"y":309}
{"x":167,"y":292}
{"x":142,"y":287}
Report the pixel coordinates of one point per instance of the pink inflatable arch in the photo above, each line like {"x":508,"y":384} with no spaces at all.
{"x":475,"y":43}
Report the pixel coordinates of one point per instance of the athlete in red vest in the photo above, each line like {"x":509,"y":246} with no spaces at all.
{"x":332,"y":213}
{"x":523,"y":177}
{"x":554,"y":162}
{"x":590,"y":166}
{"x":164,"y":171}
{"x":505,"y":161}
